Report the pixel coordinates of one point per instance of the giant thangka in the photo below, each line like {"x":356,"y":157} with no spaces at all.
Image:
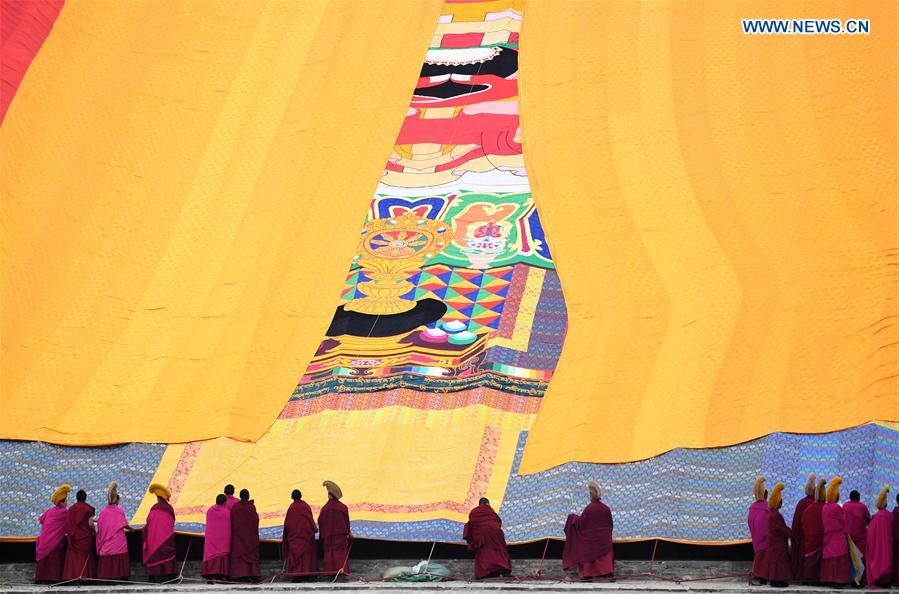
{"x":440,"y":346}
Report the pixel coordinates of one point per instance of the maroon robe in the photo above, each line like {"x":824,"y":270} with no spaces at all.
{"x":334,"y":530}
{"x":797,"y":558}
{"x":244,"y":554}
{"x":81,"y":560}
{"x":896,"y":546}
{"x":835,"y":568}
{"x":778,"y":555}
{"x":159,"y":561}
{"x":484,"y":534}
{"x":588,"y":538}
{"x":857,"y":519}
{"x":50,"y":548}
{"x":298,"y":541}
{"x":812,"y":543}
{"x":879,"y":552}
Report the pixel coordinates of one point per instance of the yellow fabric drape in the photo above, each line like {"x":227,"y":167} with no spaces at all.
{"x":722,"y":210}
{"x":183,"y":187}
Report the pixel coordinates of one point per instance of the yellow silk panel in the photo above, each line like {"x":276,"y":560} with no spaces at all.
{"x":394,"y":464}
{"x":183,"y":187}
{"x":722,"y":210}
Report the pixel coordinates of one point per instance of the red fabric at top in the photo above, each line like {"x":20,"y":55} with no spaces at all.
{"x":588,"y":536}
{"x":24,"y":25}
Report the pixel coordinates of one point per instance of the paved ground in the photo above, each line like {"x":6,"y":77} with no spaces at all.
{"x":638,"y":585}
{"x":668,"y":576}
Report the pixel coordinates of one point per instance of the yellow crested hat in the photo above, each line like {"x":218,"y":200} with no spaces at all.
{"x":775,"y":499}
{"x":333,"y":489}
{"x":820,"y":490}
{"x":759,"y":488}
{"x":160,"y":491}
{"x":112,"y":493}
{"x":833,"y":489}
{"x":882,"y":498}
{"x":60,"y":493}
{"x":810,"y":485}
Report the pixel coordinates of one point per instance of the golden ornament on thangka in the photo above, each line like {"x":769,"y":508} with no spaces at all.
{"x":389,"y":251}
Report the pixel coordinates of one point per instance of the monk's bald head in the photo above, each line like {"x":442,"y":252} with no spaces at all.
{"x":483,"y":501}
{"x":244,"y":495}
{"x":296,"y":495}
{"x":220,"y":499}
{"x":81,"y":495}
{"x":229,"y":489}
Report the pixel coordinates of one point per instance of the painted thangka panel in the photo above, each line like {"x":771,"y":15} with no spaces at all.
{"x":450,"y":323}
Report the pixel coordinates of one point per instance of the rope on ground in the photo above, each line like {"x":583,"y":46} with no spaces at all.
{"x":180,"y":577}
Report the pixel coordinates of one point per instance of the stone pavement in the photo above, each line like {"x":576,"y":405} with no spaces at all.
{"x":668,"y":576}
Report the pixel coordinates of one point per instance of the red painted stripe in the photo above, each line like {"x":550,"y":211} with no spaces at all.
{"x":24,"y":25}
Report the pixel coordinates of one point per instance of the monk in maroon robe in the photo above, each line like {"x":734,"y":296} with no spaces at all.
{"x":298,"y":540}
{"x":334,"y":530}
{"x":757,"y":519}
{"x":245,"y":540}
{"x":217,"y":543}
{"x":812,"y":537}
{"x":896,"y":542}
{"x":484,"y":534}
{"x":230,"y":499}
{"x":50,"y":549}
{"x":158,"y":537}
{"x":588,"y":539}
{"x":879,"y":552}
{"x":779,"y":570}
{"x":857,"y":519}
{"x":835,"y":568}
{"x":81,"y":559}
{"x":796,"y":559}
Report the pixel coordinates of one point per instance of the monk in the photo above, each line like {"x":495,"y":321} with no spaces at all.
{"x":81,"y":564}
{"x":835,"y":558}
{"x":217,"y":544}
{"x":244,"y":554}
{"x":857,"y":519}
{"x":231,"y":500}
{"x":896,"y":542}
{"x":779,"y":569}
{"x":51,"y":544}
{"x":879,"y":552}
{"x":334,"y":530}
{"x":812,"y":537}
{"x":758,"y":530}
{"x":298,"y":540}
{"x":796,"y":559}
{"x":112,"y":546}
{"x":484,"y":534}
{"x":159,"y":537}
{"x":588,"y":539}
